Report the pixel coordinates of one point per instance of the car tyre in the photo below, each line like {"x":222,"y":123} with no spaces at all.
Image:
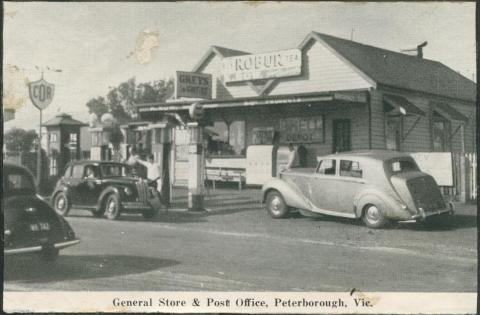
{"x":373,"y":217}
{"x":276,"y":206}
{"x":49,"y":254}
{"x":61,"y":204}
{"x":112,"y":207}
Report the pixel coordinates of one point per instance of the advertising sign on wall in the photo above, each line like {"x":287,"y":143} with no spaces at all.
{"x":302,"y":130}
{"x":283,"y":63}
{"x":262,"y":135}
{"x":193,"y":85}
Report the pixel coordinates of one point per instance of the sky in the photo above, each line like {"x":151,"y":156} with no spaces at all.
{"x":94,"y":44}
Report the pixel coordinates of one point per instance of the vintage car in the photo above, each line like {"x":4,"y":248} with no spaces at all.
{"x":30,"y":225}
{"x":104,"y":188}
{"x":376,"y":186}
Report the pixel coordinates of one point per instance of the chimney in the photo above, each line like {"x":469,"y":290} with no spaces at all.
{"x":420,"y":49}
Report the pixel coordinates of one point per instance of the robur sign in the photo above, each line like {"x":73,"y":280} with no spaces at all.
{"x":41,"y":93}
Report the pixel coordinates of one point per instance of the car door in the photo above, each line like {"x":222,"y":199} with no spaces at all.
{"x":322,"y":186}
{"x":73,"y":183}
{"x":349,"y":183}
{"x":89,"y":187}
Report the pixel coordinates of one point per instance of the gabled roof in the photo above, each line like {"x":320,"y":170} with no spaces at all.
{"x":379,"y":66}
{"x":396,"y":69}
{"x":217,"y":50}
{"x":63,"y":119}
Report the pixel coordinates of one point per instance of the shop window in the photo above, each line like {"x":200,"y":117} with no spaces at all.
{"x":73,"y":138}
{"x":302,"y":130}
{"x":52,"y":137}
{"x":393,"y":132}
{"x":227,"y":139}
{"x":53,"y":167}
{"x":440,"y":133}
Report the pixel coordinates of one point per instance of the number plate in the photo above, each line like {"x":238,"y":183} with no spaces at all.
{"x":41,"y":226}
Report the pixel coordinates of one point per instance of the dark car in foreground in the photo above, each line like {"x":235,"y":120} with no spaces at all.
{"x":376,"y":186}
{"x":104,"y":188}
{"x":30,"y":224}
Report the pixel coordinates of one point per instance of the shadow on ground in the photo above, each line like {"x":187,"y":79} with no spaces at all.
{"x":457,"y":221}
{"x":29,"y":268}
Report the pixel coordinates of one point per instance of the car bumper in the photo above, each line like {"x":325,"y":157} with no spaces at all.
{"x":33,"y":249}
{"x":135,"y":206}
{"x":422,"y":215}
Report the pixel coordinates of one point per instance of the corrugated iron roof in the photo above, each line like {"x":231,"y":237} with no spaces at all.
{"x":401,"y":70}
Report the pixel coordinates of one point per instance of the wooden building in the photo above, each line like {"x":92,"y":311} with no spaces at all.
{"x":328,"y":95}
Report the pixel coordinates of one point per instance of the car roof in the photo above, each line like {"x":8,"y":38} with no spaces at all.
{"x":380,"y":155}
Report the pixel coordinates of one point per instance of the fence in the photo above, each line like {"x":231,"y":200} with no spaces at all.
{"x":464,"y":176}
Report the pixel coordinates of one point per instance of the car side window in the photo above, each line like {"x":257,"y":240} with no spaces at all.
{"x":326,"y":167}
{"x":77,"y":171}
{"x":68,"y":171}
{"x":350,"y":169}
{"x":91,"y":171}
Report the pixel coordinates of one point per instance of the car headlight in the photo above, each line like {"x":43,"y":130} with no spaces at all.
{"x":127,"y":191}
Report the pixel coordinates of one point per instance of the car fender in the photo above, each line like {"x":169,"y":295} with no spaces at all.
{"x":61,"y":188}
{"x":107,"y":191}
{"x":292,"y":195}
{"x":391,"y":207}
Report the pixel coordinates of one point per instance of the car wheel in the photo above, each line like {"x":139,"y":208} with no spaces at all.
{"x":149,"y":214}
{"x":112,"y":207}
{"x":276,"y":206}
{"x":373,"y":217}
{"x":61,"y":204}
{"x":49,"y":254}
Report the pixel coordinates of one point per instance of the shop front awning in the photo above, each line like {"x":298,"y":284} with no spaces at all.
{"x":401,"y":105}
{"x":448,"y":111}
{"x":353,"y":97}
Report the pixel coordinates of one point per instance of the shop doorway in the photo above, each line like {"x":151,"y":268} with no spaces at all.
{"x":342,"y":140}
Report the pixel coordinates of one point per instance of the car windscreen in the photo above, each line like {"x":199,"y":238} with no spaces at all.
{"x":402,"y":166}
{"x":114,"y":170}
{"x":18,"y":182}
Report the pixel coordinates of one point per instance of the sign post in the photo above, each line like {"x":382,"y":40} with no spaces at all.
{"x":41,"y":94}
{"x":196,"y":181}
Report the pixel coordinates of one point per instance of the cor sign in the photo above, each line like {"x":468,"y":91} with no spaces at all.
{"x":262,"y":66}
{"x":41,"y":93}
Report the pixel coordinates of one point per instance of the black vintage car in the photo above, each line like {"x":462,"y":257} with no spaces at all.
{"x":30,"y":224}
{"x":104,"y":188}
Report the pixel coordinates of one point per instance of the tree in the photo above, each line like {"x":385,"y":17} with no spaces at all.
{"x":98,"y":106}
{"x":19,"y":140}
{"x":116,"y":138}
{"x":120,"y":101}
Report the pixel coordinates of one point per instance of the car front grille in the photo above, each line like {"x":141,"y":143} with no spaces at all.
{"x":142,"y":189}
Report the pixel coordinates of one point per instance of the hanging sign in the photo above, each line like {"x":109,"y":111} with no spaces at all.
{"x":193,"y":85}
{"x":283,"y":63}
{"x":41,"y":93}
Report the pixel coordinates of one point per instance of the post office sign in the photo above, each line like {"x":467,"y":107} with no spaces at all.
{"x":283,"y":63}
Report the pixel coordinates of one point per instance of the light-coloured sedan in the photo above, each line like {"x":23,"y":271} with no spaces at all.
{"x":376,"y":186}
